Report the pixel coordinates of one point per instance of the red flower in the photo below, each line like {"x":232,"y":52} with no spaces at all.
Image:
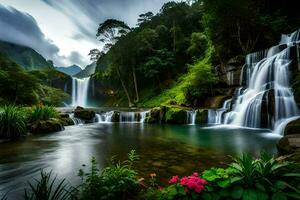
{"x":174,"y":180}
{"x":195,"y":174}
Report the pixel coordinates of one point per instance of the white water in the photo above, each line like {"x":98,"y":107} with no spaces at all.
{"x":76,"y":121}
{"x":133,"y":117}
{"x":216,"y":116}
{"x":191,"y":116}
{"x":267,"y":72}
{"x":105,"y":117}
{"x":80,"y":91}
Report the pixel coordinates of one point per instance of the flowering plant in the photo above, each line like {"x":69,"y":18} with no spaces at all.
{"x":186,"y":187}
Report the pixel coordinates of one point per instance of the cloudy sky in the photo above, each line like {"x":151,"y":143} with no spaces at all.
{"x":64,"y":30}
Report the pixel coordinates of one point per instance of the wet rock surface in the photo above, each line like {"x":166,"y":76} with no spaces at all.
{"x":84,"y":114}
{"x":46,"y":126}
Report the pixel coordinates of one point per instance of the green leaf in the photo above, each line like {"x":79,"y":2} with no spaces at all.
{"x":224,"y":193}
{"x":280,"y":185}
{"x":260,"y":187}
{"x":249,"y":194}
{"x":237,"y":192}
{"x":292,"y":174}
{"x":224,"y":183}
{"x":279,"y":196}
{"x":235,"y":179}
{"x":262,"y":196}
{"x":206,"y":196}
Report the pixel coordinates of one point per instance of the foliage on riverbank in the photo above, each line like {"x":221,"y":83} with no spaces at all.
{"x":17,"y":121}
{"x":246,"y":178}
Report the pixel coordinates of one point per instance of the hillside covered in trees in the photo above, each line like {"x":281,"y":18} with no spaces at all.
{"x":180,"y":55}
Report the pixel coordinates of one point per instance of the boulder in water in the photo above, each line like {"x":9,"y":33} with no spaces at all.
{"x":84,"y":114}
{"x":46,"y":126}
{"x":65,"y":119}
{"x":290,"y":145}
{"x":293,"y":128}
{"x":156,"y":115}
{"x":202,"y":116}
{"x":175,"y":115}
{"x":115,"y":117}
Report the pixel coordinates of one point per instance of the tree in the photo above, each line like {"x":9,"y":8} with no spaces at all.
{"x":143,"y":18}
{"x":109,"y":32}
{"x":95,"y":54}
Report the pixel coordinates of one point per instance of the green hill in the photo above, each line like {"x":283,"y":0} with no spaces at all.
{"x":24,"y":56}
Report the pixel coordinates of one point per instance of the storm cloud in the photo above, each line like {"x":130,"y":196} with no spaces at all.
{"x":21,"y":28}
{"x":87,"y":14}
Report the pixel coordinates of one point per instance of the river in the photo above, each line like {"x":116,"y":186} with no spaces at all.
{"x":164,"y":149}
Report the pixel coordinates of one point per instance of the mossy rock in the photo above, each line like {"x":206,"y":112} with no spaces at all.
{"x":115,"y":117}
{"x":156,"y":115}
{"x":47,"y":126}
{"x":292,"y":128}
{"x":67,"y":121}
{"x":175,"y":116}
{"x":202,"y":116}
{"x":84,"y":114}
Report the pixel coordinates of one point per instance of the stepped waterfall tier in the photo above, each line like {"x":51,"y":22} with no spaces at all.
{"x":80,"y":91}
{"x":265,"y":100}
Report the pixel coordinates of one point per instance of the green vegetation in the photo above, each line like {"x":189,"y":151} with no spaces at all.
{"x":12,"y":122}
{"x":48,"y":188}
{"x":174,"y":57}
{"x":118,"y":181}
{"x":28,"y":88}
{"x":38,"y":113}
{"x":246,"y":178}
{"x":26,"y":57}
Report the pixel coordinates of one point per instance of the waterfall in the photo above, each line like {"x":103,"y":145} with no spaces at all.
{"x":75,"y":120}
{"x":133,"y":117}
{"x":80,"y":91}
{"x":105,"y":117}
{"x":191,"y":116}
{"x":215,"y":116}
{"x":266,"y":99}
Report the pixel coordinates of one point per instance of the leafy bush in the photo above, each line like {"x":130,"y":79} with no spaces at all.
{"x":48,"y":188}
{"x":38,"y":113}
{"x":12,"y":122}
{"x":118,"y":181}
{"x":264,"y":178}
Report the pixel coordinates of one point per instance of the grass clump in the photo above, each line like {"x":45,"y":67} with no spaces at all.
{"x":48,"y":188}
{"x":39,"y":113}
{"x":12,"y":122}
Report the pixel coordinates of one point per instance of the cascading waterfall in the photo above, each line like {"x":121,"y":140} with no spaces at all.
{"x":133,"y":117}
{"x":266,"y":101}
{"x":80,"y":91}
{"x":75,"y":120}
{"x":191,"y":116}
{"x":216,"y":116}
{"x":105,"y":117}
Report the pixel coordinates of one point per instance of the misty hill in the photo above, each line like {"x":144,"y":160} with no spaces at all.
{"x":24,"y":56}
{"x":88,"y":71}
{"x":71,"y":70}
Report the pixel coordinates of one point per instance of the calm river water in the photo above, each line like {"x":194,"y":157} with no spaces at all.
{"x":164,"y":149}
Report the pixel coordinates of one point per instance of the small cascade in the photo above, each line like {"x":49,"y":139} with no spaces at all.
{"x":266,"y":99}
{"x":191,"y":116}
{"x":133,"y":117}
{"x":80,"y":91}
{"x":105,"y":117}
{"x":143,"y":116}
{"x":76,"y":120}
{"x":215,"y":116}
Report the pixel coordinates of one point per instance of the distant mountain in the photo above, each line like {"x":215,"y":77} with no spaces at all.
{"x":71,"y":70}
{"x":26,"y":57}
{"x":88,"y":71}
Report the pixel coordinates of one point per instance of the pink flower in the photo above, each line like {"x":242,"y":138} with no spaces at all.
{"x":174,"y":180}
{"x":195,"y":174}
